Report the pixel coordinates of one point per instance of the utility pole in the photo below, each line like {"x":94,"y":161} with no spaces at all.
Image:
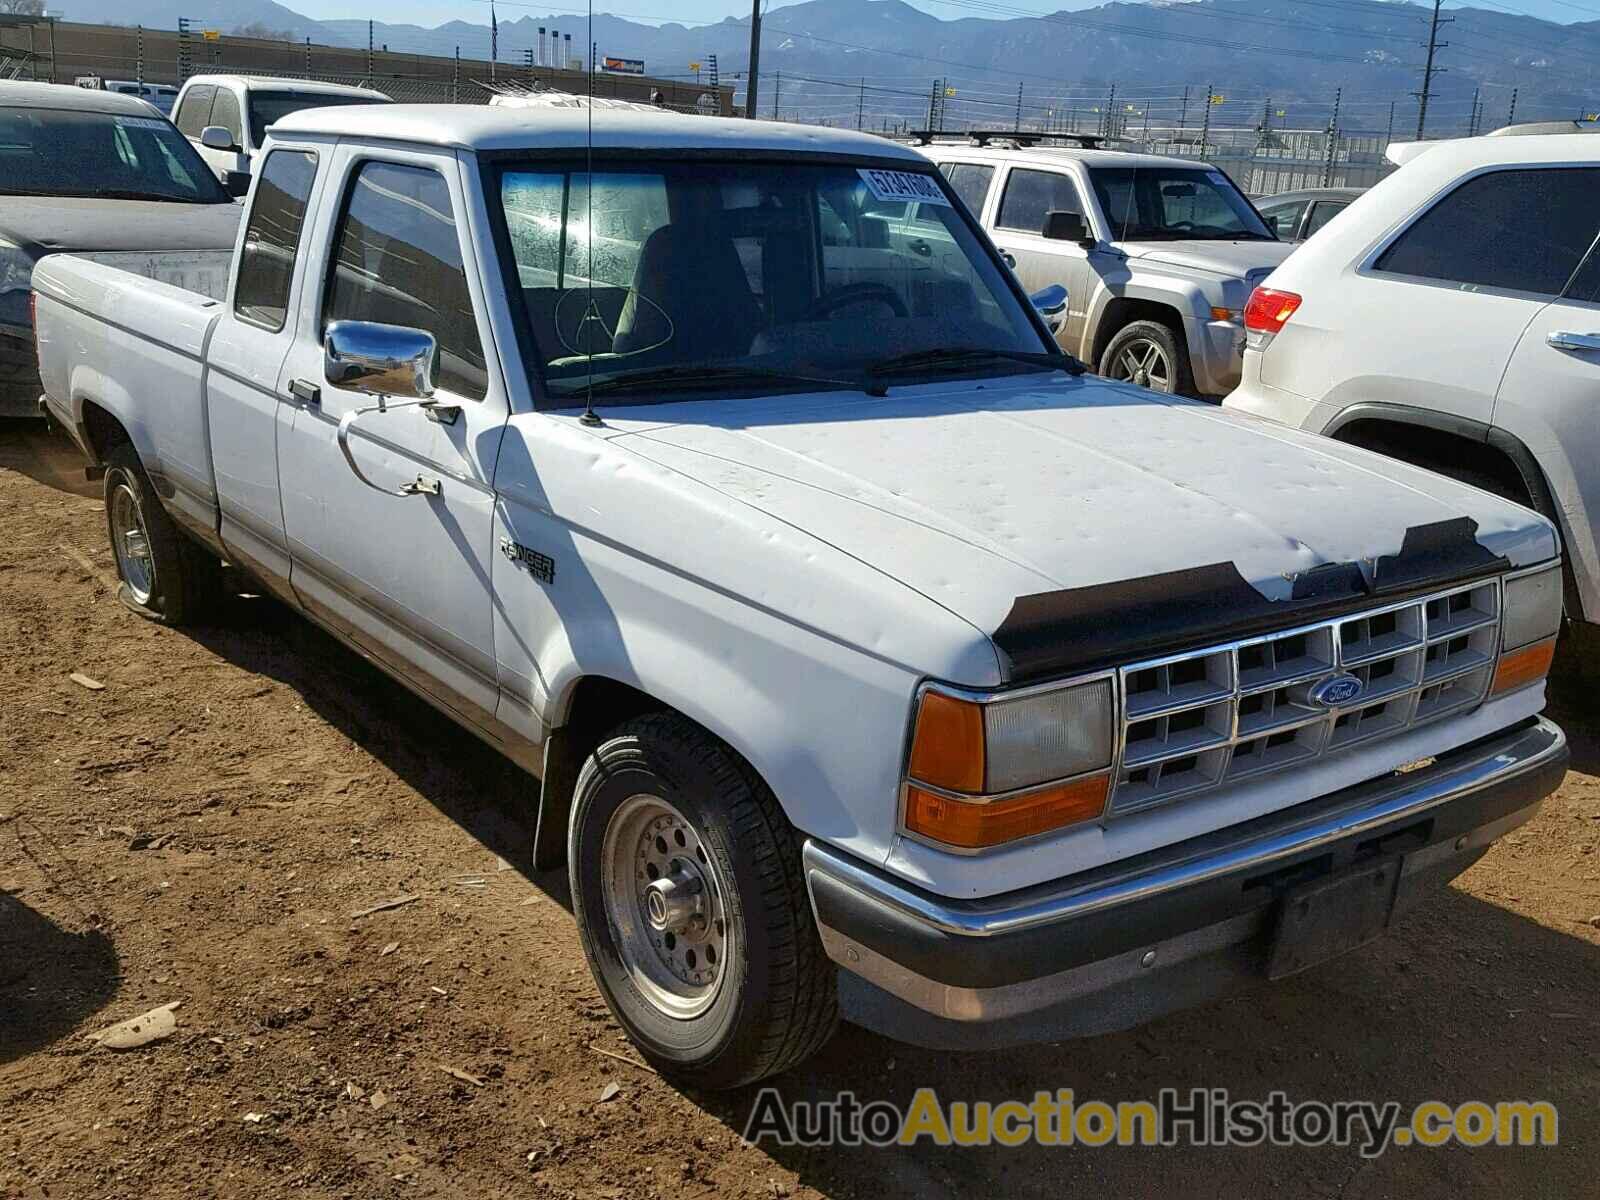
{"x":455,"y":80}
{"x":1390,"y":137}
{"x":1511,"y":113}
{"x":933,"y":104}
{"x":1107,"y":129}
{"x":138,"y":66}
{"x":308,"y":58}
{"x":1018,"y":125}
{"x":1183,"y":113}
{"x":1429,"y":70}
{"x":527,"y":63}
{"x":755,"y":59}
{"x":1333,"y":139}
{"x":777,"y":92}
{"x":861,"y":104}
{"x":183,"y":49}
{"x":369,"y":53}
{"x":1205,"y":122}
{"x":494,"y":42}
{"x":1472,"y":114}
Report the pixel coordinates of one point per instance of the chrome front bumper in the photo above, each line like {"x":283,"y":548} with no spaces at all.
{"x":1118,"y":946}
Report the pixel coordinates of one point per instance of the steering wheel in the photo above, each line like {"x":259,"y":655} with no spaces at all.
{"x":856,"y":293}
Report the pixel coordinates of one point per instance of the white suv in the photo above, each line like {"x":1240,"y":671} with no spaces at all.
{"x":1451,"y":317}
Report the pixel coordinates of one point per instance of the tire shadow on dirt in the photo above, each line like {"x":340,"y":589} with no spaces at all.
{"x":1464,"y":1001}
{"x":51,"y":979}
{"x":467,"y":780}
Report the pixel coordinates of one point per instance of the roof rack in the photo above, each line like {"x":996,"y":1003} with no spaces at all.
{"x":1021,"y":137}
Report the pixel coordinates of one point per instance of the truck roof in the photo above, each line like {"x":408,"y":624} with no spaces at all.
{"x":486,"y":127}
{"x":1454,"y":155}
{"x":272,"y":83}
{"x":61,"y":95}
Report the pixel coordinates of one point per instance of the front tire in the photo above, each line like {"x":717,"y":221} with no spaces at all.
{"x":692,"y":909}
{"x":1152,"y":355}
{"x":164,"y":575}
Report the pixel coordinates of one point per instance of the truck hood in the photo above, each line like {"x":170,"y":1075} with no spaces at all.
{"x":43,"y":225}
{"x":978,"y":495}
{"x":1231,"y":260}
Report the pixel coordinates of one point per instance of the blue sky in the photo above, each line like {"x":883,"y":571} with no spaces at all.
{"x":436,"y":12}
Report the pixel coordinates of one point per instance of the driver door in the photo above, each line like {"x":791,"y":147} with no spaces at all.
{"x":1030,"y":194}
{"x":404,"y":577}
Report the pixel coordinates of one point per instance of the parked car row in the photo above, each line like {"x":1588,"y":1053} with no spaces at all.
{"x":867,"y":655}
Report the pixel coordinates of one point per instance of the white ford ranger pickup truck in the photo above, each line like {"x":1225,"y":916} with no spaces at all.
{"x":870,"y":657}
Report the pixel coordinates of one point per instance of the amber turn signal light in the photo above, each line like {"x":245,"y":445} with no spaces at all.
{"x":969,"y":826}
{"x":1519,"y":668}
{"x":947,"y":748}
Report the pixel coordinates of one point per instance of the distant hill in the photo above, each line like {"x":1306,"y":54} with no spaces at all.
{"x":1266,"y":57}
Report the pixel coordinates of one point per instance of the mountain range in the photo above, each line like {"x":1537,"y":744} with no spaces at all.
{"x":876,"y":60}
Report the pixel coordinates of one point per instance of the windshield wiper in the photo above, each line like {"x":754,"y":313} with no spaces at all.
{"x":688,"y":377}
{"x":958,"y":357}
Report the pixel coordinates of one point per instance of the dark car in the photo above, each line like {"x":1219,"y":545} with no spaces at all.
{"x":90,"y":172}
{"x":1295,"y":216}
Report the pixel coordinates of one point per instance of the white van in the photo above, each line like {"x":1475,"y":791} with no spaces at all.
{"x":226,"y":116}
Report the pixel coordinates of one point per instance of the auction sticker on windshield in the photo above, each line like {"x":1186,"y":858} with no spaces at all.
{"x":903,"y":185}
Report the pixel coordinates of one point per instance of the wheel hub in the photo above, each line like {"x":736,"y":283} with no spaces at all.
{"x":131,"y":543}
{"x":665,"y":906}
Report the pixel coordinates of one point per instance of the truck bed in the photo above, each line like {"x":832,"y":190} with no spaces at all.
{"x":129,"y":330}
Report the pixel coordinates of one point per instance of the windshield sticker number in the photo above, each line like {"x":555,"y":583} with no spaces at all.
{"x":142,"y":122}
{"x":893,"y":186}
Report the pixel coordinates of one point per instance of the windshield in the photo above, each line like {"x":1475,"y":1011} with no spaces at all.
{"x":63,"y":152}
{"x":267,"y":107}
{"x":1175,"y":203}
{"x":704,"y":271}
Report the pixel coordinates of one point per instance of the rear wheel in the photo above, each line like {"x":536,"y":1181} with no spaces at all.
{"x":164,"y":575}
{"x":1149,"y":354}
{"x":691,"y":907}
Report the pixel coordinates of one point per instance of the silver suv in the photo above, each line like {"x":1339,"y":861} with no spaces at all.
{"x":1158,"y":255}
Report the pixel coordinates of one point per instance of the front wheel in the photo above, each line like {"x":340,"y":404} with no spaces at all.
{"x":1149,"y":354}
{"x":692,"y":909}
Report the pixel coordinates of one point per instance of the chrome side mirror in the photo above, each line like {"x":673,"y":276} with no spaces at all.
{"x":1052,"y":305}
{"x":216,"y":137}
{"x":380,"y":360}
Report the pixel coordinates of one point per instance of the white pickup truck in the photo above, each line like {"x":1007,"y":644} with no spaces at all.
{"x":870,"y":656}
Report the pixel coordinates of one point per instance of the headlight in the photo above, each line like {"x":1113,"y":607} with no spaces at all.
{"x":991,"y":769}
{"x":16,"y":269}
{"x":1530,"y":620}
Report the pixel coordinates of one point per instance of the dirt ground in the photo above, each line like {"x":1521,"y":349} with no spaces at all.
{"x":294,"y":785}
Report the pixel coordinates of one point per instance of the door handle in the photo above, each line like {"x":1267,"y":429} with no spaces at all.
{"x":307,"y":393}
{"x":921,"y":247}
{"x":1009,"y":258}
{"x":1572,"y":341}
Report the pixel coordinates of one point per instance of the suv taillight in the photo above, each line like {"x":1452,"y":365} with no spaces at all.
{"x":1268,"y":310}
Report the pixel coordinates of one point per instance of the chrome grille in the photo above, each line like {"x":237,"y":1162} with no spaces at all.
{"x":1196,"y":721}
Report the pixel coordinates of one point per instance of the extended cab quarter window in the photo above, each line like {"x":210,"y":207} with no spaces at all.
{"x":272,"y":238}
{"x":397,"y":261}
{"x":1031,"y":195}
{"x":225,"y":112}
{"x":971,"y":182}
{"x":1520,"y":230}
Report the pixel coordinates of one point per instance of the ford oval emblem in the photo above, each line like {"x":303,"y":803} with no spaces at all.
{"x":1336,"y":690}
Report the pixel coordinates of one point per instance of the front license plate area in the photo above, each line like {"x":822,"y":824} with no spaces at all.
{"x":1328,"y":917}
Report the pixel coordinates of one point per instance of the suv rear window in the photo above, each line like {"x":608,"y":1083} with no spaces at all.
{"x":1520,"y":230}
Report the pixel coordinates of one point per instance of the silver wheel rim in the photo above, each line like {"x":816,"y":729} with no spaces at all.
{"x":664,"y":902}
{"x":1144,"y":362}
{"x":130,"y":540}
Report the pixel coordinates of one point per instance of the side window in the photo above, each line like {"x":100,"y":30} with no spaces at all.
{"x":225,"y":112}
{"x":971,"y":182}
{"x":1323,"y":212}
{"x":1522,"y":230}
{"x":1283,"y":219}
{"x":1030,"y":195}
{"x":397,"y":260}
{"x":195,"y":111}
{"x":272,"y":238}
